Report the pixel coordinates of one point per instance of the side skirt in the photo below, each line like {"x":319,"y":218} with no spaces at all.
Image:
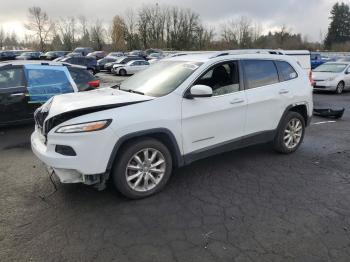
{"x":245,"y":141}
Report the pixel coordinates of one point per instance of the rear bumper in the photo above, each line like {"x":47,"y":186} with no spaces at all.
{"x":325,"y":85}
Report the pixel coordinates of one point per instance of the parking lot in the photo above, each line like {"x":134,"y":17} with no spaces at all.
{"x":248,"y":205}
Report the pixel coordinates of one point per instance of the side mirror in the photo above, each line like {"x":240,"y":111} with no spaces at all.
{"x":200,"y":91}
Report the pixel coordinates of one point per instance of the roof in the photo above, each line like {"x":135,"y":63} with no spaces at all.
{"x":36,"y":62}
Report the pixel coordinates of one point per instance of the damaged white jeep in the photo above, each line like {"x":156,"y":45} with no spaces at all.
{"x":177,"y":111}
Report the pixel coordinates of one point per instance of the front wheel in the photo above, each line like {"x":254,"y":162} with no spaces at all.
{"x":340,"y":88}
{"x":122,"y":72}
{"x":142,"y":169}
{"x":290,"y":133}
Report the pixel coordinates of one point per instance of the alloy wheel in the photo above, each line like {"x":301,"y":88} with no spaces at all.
{"x":145,"y":169}
{"x":293,"y":133}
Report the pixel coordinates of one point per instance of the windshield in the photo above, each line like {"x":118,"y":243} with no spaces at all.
{"x":160,"y":79}
{"x":331,"y":68}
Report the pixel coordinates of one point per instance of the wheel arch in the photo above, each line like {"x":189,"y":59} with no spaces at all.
{"x":298,"y":108}
{"x":162,"y":134}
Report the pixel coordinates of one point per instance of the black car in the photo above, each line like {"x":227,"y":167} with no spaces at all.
{"x":29,"y":56}
{"x":89,"y":62}
{"x":122,"y":60}
{"x":101,"y":63}
{"x":25,"y":86}
{"x":138,"y":53}
{"x":7,"y":55}
{"x":53,"y":55}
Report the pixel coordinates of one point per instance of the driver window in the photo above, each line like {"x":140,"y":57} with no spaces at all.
{"x":11,"y":78}
{"x":222,"y":78}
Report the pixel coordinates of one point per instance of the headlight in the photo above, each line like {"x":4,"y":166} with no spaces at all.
{"x":84,"y":127}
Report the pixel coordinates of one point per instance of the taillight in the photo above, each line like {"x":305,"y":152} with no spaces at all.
{"x":94,"y":83}
{"x":312,"y":81}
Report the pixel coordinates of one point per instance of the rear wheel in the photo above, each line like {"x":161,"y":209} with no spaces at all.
{"x":122,"y":72}
{"x":290,"y":133}
{"x":340,"y":88}
{"x":143,"y":168}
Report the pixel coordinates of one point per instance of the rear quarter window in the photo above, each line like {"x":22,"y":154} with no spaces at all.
{"x":286,"y":71}
{"x":260,"y":73}
{"x":81,"y":77}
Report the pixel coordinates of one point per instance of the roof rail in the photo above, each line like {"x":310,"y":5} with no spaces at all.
{"x":191,"y":53}
{"x":248,"y":51}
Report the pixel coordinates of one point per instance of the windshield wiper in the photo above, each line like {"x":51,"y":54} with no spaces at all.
{"x":132,"y":91}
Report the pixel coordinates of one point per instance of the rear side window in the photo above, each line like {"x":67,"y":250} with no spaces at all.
{"x":12,"y":77}
{"x":285,"y":71}
{"x":46,"y":83}
{"x":81,"y":77}
{"x":260,"y":73}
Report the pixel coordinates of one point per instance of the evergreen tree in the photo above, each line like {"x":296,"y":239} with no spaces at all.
{"x":339,"y":28}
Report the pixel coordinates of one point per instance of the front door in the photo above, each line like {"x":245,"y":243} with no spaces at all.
{"x":217,"y":120}
{"x":13,"y":96}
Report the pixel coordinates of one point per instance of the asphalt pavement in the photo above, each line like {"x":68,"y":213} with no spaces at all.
{"x":247,"y":205}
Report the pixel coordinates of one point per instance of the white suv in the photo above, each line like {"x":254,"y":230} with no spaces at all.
{"x":177,"y":111}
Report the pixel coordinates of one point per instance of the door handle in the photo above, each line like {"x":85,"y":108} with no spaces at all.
{"x":237,"y":101}
{"x":18,"y":94}
{"x":283,"y":92}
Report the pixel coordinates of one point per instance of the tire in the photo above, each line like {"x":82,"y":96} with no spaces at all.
{"x":282,"y":142}
{"x":148,"y":182}
{"x":340,"y":88}
{"x":122,"y":72}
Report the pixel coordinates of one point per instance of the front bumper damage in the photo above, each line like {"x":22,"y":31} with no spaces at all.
{"x":84,"y":168}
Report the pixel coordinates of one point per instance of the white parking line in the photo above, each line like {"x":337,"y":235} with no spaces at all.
{"x":324,"y":122}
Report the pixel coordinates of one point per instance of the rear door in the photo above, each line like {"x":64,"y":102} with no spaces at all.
{"x":13,"y":100}
{"x":265,"y":96}
{"x":44,"y":82}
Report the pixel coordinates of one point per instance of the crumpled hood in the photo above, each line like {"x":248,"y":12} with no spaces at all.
{"x":323,"y":75}
{"x":104,"y":98}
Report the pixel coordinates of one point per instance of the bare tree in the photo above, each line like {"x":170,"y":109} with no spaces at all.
{"x":2,"y":37}
{"x":229,"y":34}
{"x":84,"y":31}
{"x":151,"y":25}
{"x":98,"y":35}
{"x":67,"y":28}
{"x":132,"y":37}
{"x":40,"y":24}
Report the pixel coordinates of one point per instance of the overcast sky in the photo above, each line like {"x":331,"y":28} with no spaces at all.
{"x":309,"y":17}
